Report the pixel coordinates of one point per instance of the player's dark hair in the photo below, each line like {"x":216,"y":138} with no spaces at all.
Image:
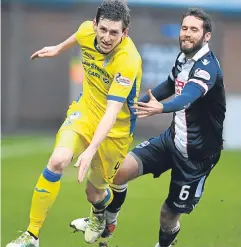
{"x":200,"y":14}
{"x":114,"y":10}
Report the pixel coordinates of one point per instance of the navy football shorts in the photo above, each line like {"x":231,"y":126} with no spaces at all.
{"x":188,"y":177}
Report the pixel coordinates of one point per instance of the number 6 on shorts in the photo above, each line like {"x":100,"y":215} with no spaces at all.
{"x":184,"y":192}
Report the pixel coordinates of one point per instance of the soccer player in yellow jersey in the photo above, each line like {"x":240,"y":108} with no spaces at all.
{"x":99,"y":127}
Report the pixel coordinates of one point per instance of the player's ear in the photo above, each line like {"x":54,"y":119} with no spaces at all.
{"x":207,"y":36}
{"x":125,"y":32}
{"x":95,"y":25}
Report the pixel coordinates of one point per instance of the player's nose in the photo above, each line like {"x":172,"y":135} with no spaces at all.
{"x":107,"y":37}
{"x":188,"y":33}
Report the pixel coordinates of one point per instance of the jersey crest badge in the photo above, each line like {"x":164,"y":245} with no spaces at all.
{"x":205,"y":61}
{"x":124,"y":81}
{"x":202,"y":74}
{"x":106,"y":62}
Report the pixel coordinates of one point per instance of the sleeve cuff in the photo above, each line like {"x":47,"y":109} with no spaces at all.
{"x":116,"y":98}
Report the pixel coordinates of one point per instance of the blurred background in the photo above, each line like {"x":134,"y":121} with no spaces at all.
{"x":35,"y":96}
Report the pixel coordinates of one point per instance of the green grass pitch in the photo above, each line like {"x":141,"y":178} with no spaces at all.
{"x":215,"y":222}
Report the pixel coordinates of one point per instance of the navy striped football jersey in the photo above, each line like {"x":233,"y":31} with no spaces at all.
{"x":197,"y":129}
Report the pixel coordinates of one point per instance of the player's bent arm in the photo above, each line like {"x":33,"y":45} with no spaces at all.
{"x":52,"y":51}
{"x":68,"y":43}
{"x":106,"y":123}
{"x":161,"y":92}
{"x":190,"y":93}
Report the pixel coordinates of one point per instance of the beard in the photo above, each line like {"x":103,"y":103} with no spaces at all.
{"x":192,"y":50}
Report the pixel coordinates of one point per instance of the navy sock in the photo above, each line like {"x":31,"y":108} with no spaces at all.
{"x":167,"y":238}
{"x":118,"y":200}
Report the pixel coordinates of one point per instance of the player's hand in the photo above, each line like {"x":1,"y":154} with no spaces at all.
{"x":83,"y":163}
{"x":152,"y":107}
{"x":49,"y":51}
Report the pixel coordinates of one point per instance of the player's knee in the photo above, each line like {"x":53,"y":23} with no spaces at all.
{"x":58,"y":163}
{"x":59,"y":160}
{"x":93,"y":194}
{"x":168,"y":218}
{"x":128,"y":171}
{"x":90,"y":197}
{"x":94,"y":197}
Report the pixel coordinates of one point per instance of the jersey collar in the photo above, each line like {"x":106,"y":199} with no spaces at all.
{"x":204,"y":50}
{"x":96,"y":46}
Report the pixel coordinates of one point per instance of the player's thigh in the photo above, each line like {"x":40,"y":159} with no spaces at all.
{"x":75,"y":132}
{"x":187,"y":181}
{"x":128,"y":170}
{"x":108,"y":160}
{"x":153,"y":156}
{"x":69,"y":142}
{"x":77,"y":120}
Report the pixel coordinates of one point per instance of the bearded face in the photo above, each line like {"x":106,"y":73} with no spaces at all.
{"x":192,"y":36}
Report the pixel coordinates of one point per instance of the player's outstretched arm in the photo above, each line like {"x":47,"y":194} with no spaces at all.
{"x":102,"y":130}
{"x":152,"y":107}
{"x":190,"y":94}
{"x":52,"y":51}
{"x":163,"y":91}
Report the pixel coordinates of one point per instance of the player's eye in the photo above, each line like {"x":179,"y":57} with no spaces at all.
{"x":114,"y":33}
{"x":103,"y":29}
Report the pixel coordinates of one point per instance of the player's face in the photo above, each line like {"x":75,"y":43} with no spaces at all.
{"x":109,"y":34}
{"x":192,"y":36}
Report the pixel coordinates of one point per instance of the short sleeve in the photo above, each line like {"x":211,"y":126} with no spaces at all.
{"x":83,"y":30}
{"x":204,"y":74}
{"x":125,"y":75}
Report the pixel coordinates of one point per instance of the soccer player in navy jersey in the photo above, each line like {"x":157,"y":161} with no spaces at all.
{"x":192,"y":145}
